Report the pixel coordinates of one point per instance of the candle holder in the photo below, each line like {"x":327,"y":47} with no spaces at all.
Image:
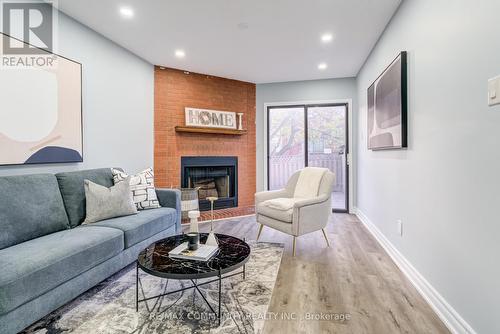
{"x":193,"y":240}
{"x":212,"y":240}
{"x":193,"y":224}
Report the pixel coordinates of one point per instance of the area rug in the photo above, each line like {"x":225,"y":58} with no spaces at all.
{"x":110,"y":306}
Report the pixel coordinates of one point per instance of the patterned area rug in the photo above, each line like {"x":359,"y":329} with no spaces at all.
{"x":110,"y":306}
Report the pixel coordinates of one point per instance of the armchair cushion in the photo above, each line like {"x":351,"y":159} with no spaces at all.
{"x":266,"y":195}
{"x":282,"y":204}
{"x":283,"y":213}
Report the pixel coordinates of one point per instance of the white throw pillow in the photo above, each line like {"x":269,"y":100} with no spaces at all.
{"x":309,"y":181}
{"x":142,"y":187}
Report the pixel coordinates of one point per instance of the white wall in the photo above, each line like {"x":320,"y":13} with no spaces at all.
{"x":313,"y":90}
{"x":445,"y":186}
{"x":117,"y":103}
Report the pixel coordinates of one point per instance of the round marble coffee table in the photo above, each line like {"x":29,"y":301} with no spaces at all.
{"x":232,"y":254}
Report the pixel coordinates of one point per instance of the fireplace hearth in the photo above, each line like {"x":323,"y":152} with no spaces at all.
{"x":215,"y":177}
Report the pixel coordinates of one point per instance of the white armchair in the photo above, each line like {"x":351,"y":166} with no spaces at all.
{"x":304,"y":205}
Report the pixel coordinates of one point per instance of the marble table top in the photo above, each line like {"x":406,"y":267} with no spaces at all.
{"x":232,"y":254}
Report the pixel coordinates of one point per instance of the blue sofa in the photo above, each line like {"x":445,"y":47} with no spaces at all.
{"x":47,"y":258}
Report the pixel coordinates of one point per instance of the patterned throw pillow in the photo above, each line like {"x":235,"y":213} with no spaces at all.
{"x":142,"y":187}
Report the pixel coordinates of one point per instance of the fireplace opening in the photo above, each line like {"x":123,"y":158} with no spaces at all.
{"x":211,"y":181}
{"x":215,"y":177}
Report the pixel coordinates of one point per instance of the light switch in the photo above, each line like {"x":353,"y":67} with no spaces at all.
{"x":494,"y":91}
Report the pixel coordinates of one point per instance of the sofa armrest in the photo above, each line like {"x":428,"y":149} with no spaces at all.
{"x":266,"y":195}
{"x":311,"y":201}
{"x":171,"y":198}
{"x":311,"y":214}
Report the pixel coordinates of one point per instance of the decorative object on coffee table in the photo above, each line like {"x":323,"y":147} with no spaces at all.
{"x":202,"y":253}
{"x":189,"y":201}
{"x":193,"y":240}
{"x":212,"y":240}
{"x":193,"y":217}
{"x":232,"y":254}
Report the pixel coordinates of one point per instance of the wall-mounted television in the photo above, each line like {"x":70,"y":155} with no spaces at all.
{"x":388,"y":107}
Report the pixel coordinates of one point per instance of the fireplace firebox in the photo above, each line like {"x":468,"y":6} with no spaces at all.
{"x":215,"y":177}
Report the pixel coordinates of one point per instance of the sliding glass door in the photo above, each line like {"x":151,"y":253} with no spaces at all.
{"x":286,"y":144}
{"x":309,"y":135}
{"x":327,"y":146}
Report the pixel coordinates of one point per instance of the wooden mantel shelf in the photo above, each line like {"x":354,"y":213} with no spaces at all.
{"x":232,"y":132}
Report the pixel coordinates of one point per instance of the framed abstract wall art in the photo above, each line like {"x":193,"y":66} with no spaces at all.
{"x":387,"y":107}
{"x":40,"y":111}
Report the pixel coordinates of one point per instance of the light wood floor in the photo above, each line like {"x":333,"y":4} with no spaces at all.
{"x":354,"y":276}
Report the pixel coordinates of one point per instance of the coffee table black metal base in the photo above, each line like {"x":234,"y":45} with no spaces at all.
{"x":194,"y":286}
{"x":232,"y":254}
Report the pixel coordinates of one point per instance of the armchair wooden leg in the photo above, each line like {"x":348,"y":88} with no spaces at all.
{"x":326,"y":238}
{"x":260,"y":231}
{"x":294,"y":239}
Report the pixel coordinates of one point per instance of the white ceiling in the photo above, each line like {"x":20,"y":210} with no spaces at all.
{"x":252,"y":40}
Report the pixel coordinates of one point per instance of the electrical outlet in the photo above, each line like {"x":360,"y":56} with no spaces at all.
{"x":399,"y":223}
{"x":494,"y":91}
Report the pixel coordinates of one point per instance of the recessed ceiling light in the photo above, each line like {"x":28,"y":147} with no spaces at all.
{"x":180,"y":53}
{"x":325,"y":38}
{"x":127,"y":12}
{"x":322,"y":66}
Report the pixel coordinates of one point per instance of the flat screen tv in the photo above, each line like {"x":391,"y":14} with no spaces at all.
{"x":387,"y":107}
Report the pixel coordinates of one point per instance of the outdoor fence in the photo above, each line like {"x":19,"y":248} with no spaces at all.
{"x":282,"y":167}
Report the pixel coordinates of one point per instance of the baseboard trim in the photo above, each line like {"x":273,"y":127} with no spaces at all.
{"x":450,"y":317}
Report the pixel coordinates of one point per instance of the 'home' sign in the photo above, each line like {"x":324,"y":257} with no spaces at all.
{"x":210,"y":118}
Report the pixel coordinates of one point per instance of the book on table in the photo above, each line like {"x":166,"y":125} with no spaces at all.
{"x":203,"y":253}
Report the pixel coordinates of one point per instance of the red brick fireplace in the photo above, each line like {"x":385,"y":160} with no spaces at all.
{"x":175,"y":90}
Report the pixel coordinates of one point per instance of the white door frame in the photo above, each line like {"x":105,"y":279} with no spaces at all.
{"x":350,"y":160}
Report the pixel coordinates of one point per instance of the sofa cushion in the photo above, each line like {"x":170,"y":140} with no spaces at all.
{"x":143,"y":225}
{"x":30,"y":206}
{"x":34,"y":267}
{"x":265,"y":209}
{"x":73,"y":193}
